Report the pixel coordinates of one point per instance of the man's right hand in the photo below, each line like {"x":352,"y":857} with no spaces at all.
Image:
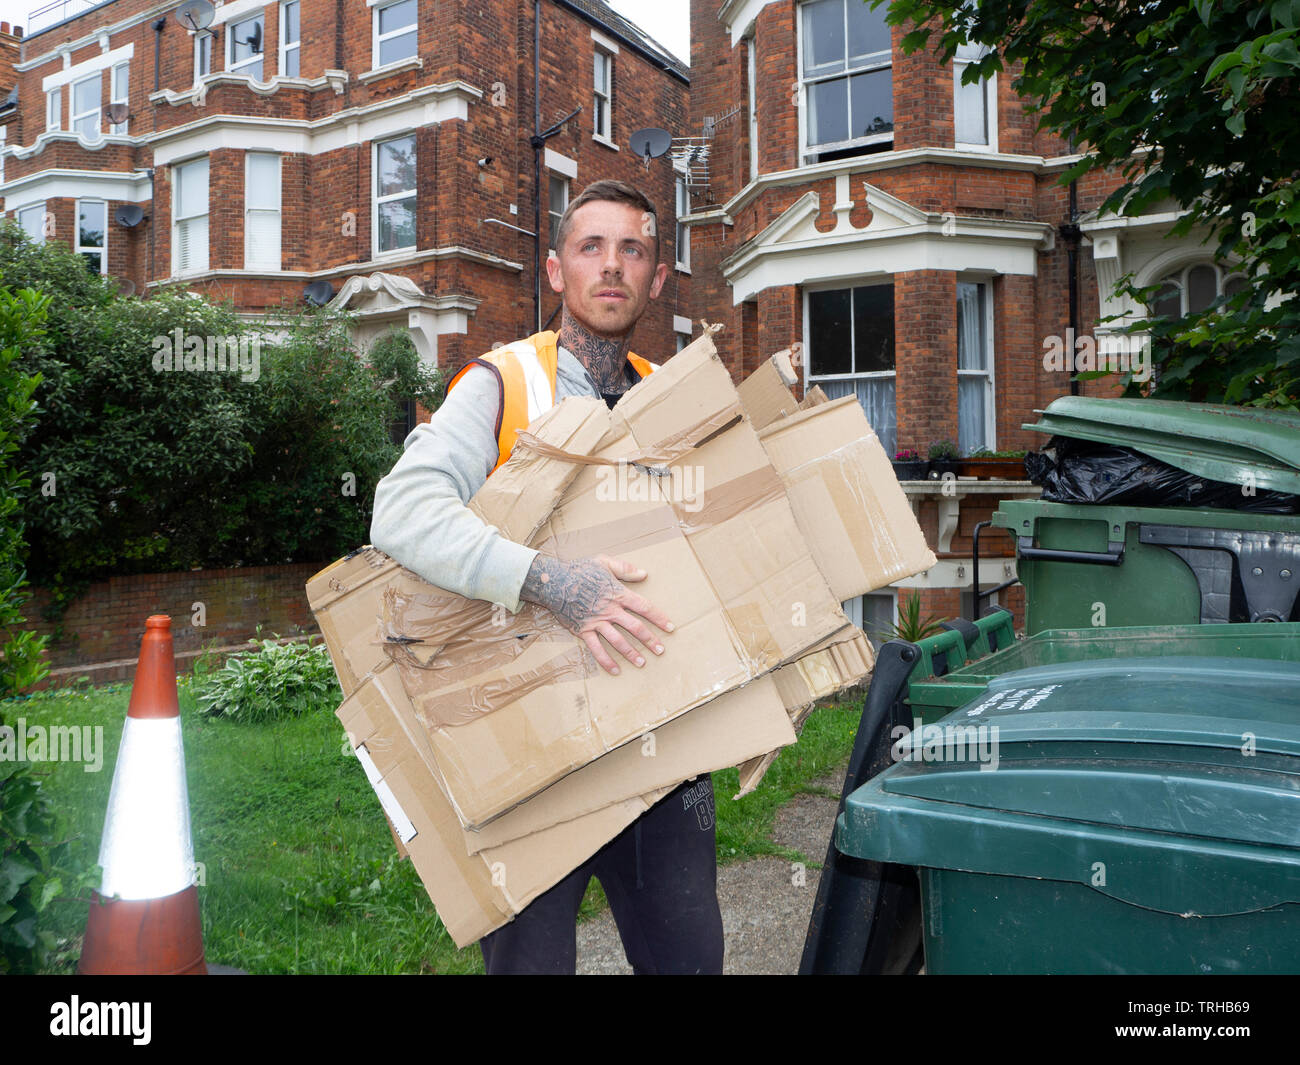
{"x":589,"y":598}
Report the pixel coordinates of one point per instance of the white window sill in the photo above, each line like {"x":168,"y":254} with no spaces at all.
{"x":413,"y":62}
{"x":393,"y":253}
{"x":605,"y":141}
{"x":683,"y":268}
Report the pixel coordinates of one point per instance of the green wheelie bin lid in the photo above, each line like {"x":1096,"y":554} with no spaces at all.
{"x":1178,"y":777}
{"x":1222,"y":443}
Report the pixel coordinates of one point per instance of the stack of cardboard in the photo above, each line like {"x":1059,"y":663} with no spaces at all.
{"x":503,"y":755}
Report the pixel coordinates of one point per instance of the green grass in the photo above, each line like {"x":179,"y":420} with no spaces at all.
{"x":300,"y":873}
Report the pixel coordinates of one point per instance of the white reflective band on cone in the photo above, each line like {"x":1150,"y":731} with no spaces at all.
{"x":147,"y":852}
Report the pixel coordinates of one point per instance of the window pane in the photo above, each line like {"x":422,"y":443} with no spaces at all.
{"x":397,"y":224}
{"x":868,"y":33}
{"x":878,"y":616}
{"x":600,"y":66}
{"x":1168,"y":303}
{"x":971,"y":414}
{"x":192,"y":189}
{"x":395,"y":48}
{"x":290,"y":64}
{"x":829,"y":333}
{"x":558,"y":197}
{"x":90,"y":225}
{"x":120,"y":73}
{"x":88,"y":126}
{"x":970,"y":111}
{"x":395,"y":16}
{"x":876,"y":395}
{"x":872,"y":103}
{"x":289,"y":23}
{"x":1234,"y":285}
{"x":93,"y":261}
{"x":246,"y":39}
{"x":873,"y":328}
{"x":1202,"y":287}
{"x":31,"y":219}
{"x":85,"y":95}
{"x":972,"y":344}
{"x":205,"y":56}
{"x":397,"y":166}
{"x":263,"y":179}
{"x":823,"y":36}
{"x":828,"y":111}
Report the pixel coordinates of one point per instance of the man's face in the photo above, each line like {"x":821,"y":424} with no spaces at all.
{"x":606,"y":270}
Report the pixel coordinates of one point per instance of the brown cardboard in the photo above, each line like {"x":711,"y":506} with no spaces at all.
{"x":516,"y":703}
{"x":765,"y":394}
{"x":743,"y":724}
{"x":813,"y":397}
{"x":851,"y":509}
{"x":473,"y":894}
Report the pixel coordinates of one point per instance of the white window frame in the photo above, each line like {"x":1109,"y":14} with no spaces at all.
{"x":681,"y":331}
{"x":985,"y":287}
{"x":54,"y":108}
{"x":603,"y":131}
{"x":76,"y":116}
{"x":124,"y":97}
{"x":102,"y":252}
{"x":806,"y":149}
{"x":867,"y":375}
{"x":966,"y":54}
{"x":377,"y":39}
{"x":553,"y":220}
{"x":682,"y":233}
{"x":4,"y":139}
{"x":39,"y":208}
{"x":178,"y":172}
{"x":237,"y":68}
{"x":1180,"y":277}
{"x":294,"y":46}
{"x":202,"y":38}
{"x":262,"y":214}
{"x":376,"y":199}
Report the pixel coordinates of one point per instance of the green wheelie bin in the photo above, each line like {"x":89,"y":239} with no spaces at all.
{"x":1111,"y":564}
{"x":1101,"y":812}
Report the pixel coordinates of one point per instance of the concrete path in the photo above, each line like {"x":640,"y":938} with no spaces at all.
{"x":766,"y":902}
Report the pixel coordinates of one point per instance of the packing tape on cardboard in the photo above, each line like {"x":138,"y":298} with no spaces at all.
{"x":669,"y":449}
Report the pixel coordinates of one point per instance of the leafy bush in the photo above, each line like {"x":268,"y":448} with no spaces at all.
{"x":943,"y":449}
{"x":278,"y":680}
{"x":911,"y":626}
{"x":149,"y":471}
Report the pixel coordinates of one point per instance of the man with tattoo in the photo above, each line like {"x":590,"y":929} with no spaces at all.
{"x":660,"y":874}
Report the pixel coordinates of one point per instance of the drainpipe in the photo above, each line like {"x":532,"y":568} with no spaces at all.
{"x":158,"y":27}
{"x":1071,"y":233}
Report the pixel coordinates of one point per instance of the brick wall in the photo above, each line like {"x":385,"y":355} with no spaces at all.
{"x":102,"y":628}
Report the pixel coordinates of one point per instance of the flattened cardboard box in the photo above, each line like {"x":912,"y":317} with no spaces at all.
{"x":473,"y":894}
{"x":850,"y":507}
{"x":726,"y":562}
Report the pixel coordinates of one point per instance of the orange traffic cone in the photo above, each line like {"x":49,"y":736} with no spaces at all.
{"x":145,"y":917}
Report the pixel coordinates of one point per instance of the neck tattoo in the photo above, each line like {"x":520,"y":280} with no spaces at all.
{"x":604,"y":357}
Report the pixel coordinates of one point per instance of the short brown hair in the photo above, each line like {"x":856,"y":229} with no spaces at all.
{"x":613,"y":191}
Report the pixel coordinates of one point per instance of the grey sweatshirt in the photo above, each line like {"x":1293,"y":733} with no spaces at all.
{"x":421,"y":518}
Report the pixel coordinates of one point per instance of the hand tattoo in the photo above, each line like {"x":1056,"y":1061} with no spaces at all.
{"x":572,"y":591}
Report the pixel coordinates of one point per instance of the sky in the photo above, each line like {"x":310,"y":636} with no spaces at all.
{"x":667,"y":21}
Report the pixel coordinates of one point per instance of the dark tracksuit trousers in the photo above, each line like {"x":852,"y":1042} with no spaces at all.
{"x":660,"y":876}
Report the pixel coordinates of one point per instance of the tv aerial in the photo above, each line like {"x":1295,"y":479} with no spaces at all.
{"x":195,"y":15}
{"x":650,"y":143}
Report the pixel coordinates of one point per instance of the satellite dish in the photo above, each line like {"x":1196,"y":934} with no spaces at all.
{"x":318,"y":293}
{"x":125,"y":286}
{"x":129,"y":215}
{"x":195,"y":14}
{"x":118,"y":113}
{"x":651,"y":143}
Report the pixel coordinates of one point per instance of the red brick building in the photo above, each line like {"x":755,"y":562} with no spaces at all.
{"x":383,"y":148}
{"x":909,"y":233}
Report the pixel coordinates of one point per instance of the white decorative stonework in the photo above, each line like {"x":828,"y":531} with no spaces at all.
{"x":381,"y":300}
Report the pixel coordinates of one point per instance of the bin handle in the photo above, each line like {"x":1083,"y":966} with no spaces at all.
{"x":1112,"y":556}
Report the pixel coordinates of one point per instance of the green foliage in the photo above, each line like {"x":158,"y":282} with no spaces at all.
{"x":31,"y":856}
{"x":911,"y":626}
{"x":144,"y":469}
{"x":1191,"y":103}
{"x":942,"y":449}
{"x":1006,"y":453}
{"x":274,"y":682}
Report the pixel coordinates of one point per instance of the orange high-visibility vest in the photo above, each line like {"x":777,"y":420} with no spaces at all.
{"x":525,"y":373}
